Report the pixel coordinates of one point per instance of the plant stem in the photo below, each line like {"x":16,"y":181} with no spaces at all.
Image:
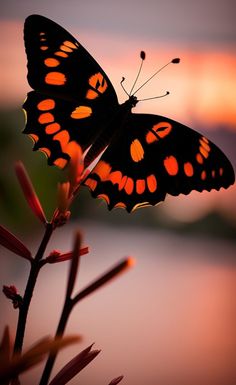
{"x":71,"y":302}
{"x":68,"y":305}
{"x":35,"y":268}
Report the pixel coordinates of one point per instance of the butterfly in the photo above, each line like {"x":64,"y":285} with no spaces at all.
{"x":73,"y":106}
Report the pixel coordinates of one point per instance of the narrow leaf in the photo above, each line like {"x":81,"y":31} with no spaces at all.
{"x":73,"y":367}
{"x":105,"y":278}
{"x":5,"y":348}
{"x":10,"y":242}
{"x":116,"y":380}
{"x":34,"y":356}
{"x":29,"y":192}
{"x":55,"y":258}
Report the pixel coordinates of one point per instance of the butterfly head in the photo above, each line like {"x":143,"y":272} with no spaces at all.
{"x":133,"y":100}
{"x":130,"y":103}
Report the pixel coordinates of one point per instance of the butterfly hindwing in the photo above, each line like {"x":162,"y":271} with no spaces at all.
{"x":73,"y":96}
{"x":58,"y":126}
{"x":154,"y":156}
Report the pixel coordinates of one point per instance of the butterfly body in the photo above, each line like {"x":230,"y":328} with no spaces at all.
{"x":112,"y":129}
{"x":74,"y":105}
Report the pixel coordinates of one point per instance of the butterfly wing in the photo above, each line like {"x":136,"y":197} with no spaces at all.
{"x":156,"y":156}
{"x":73,"y":96}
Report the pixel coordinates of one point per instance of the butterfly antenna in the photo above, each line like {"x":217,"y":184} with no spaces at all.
{"x":121,"y":83}
{"x":174,"y":61}
{"x":155,"y":97}
{"x":142,"y":56}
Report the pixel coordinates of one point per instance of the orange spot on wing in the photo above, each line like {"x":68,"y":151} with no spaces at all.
{"x":136,"y":151}
{"x":150,"y":137}
{"x":60,"y":162}
{"x":203,"y":175}
{"x":46,"y":151}
{"x":61,"y":54}
{"x":52,"y":128}
{"x":115,"y":177}
{"x":51,"y":62}
{"x":91,"y":94}
{"x":221,"y":171}
{"x":44,"y":48}
{"x":55,"y":78}
{"x":122,"y":183}
{"x":46,"y":117}
{"x":188,"y":169}
{"x":129,"y":186}
{"x":104,"y":197}
{"x":65,"y":48}
{"x":41,"y":33}
{"x":199,"y":158}
{"x":102,"y":169}
{"x":205,"y":139}
{"x":204,"y":152}
{"x":205,"y":145}
{"x":152,"y":183}
{"x":45,"y":105}
{"x":161,"y":129}
{"x":63,"y":137}
{"x":98,"y":82}
{"x":72,"y":148}
{"x":70,"y":44}
{"x":81,"y":112}
{"x":213,"y":173}
{"x":171,"y":165}
{"x":94,"y":79}
{"x":120,"y":205}
{"x":34,"y":137}
{"x":140,"y":186}
{"x":91,"y":183}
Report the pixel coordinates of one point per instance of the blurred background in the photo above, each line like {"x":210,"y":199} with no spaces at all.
{"x":171,"y":320}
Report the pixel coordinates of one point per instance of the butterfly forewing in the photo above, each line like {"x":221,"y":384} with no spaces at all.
{"x":73,"y":97}
{"x":58,"y":63}
{"x":156,"y":156}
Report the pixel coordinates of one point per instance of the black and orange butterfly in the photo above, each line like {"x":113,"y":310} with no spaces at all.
{"x":74,"y":105}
